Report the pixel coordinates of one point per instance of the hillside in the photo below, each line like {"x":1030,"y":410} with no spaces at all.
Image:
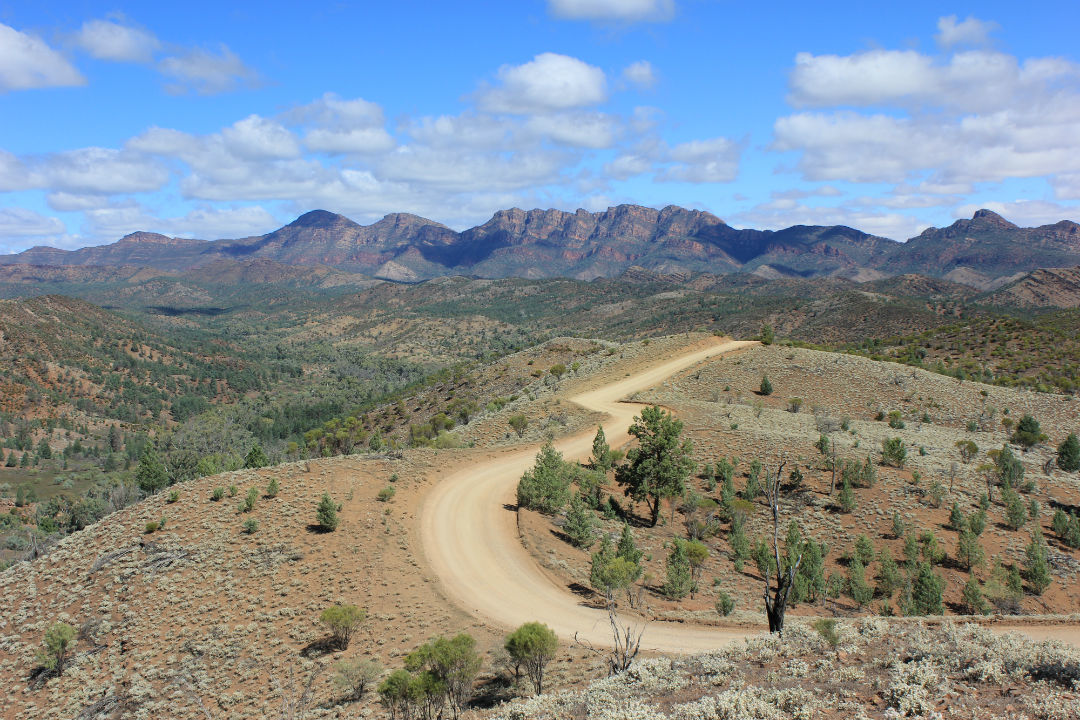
{"x":1043,"y":288}
{"x":586,"y":245}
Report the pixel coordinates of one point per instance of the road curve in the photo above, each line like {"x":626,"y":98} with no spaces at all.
{"x":469,"y":533}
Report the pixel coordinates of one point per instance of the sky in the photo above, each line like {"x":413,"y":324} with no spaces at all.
{"x":229,"y":119}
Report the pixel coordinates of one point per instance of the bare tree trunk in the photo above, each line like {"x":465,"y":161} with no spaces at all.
{"x":776,"y":601}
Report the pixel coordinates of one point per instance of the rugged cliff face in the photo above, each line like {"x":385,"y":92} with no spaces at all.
{"x":985,"y":251}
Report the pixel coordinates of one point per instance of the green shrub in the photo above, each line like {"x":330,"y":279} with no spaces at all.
{"x":248,"y":503}
{"x":326,"y":513}
{"x":724,"y":604}
{"x":532,"y":647}
{"x":59,"y":639}
{"x":342,"y":621}
{"x":1068,"y":454}
{"x":580,"y":524}
{"x":273,"y":488}
{"x":251,"y":525}
{"x":893,"y":452}
{"x":173,"y":496}
{"x":896,"y":420}
{"x":766,"y":387}
{"x":232,"y":491}
{"x":151,"y":527}
{"x":354,"y":677}
{"x":386,"y":494}
{"x":217,"y":494}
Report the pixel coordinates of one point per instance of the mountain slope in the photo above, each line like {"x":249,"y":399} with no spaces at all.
{"x":986,"y":251}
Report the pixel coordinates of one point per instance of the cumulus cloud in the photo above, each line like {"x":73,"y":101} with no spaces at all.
{"x":944,"y":123}
{"x":207,"y":223}
{"x":207,"y":72}
{"x":103,"y":170}
{"x":343,"y":126}
{"x":971,"y":32}
{"x":26,"y":62}
{"x":584,"y":130}
{"x":640,"y":74}
{"x":549,"y":82}
{"x":257,"y":138}
{"x":21,"y":222}
{"x":108,"y":40}
{"x":613,"y":10}
{"x":703,"y":161}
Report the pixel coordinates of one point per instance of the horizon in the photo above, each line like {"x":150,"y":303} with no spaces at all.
{"x":887,"y":122}
{"x":536,"y":209}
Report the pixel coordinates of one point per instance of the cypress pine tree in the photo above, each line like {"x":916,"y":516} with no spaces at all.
{"x":1068,"y":457}
{"x":580,"y":525}
{"x":1036,"y":565}
{"x":151,"y":474}
{"x":926,"y":592}
{"x":972,"y":598}
{"x":326,"y":513}
{"x":679,"y":582}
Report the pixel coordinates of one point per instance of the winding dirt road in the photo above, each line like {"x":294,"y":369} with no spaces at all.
{"x":469,"y":531}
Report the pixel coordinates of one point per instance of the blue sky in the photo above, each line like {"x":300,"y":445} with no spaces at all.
{"x":229,"y":119}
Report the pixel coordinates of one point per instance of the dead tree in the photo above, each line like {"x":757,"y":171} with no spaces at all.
{"x":626,"y":642}
{"x":776,"y":598}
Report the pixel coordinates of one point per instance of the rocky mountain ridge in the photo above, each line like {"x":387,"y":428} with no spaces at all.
{"x":986,"y":251}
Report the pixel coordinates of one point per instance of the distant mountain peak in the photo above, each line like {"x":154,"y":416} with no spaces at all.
{"x":146,"y":237}
{"x":989,"y":217}
{"x":319,"y":218}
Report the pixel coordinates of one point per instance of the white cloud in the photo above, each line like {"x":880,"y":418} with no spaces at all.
{"x":940,"y":123}
{"x":468,"y":130}
{"x":703,"y":161}
{"x":26,"y":62}
{"x":256,"y":138}
{"x":616,"y":10}
{"x":640,"y":74}
{"x":108,"y":40}
{"x":970,"y":32}
{"x":113,"y":223}
{"x":103,"y":171}
{"x":463,"y":171}
{"x":207,"y":72}
{"x":14,"y":174}
{"x":21,"y":222}
{"x":628,"y":165}
{"x":343,"y":126}
{"x":75,"y":202}
{"x":584,"y":130}
{"x":548,"y":82}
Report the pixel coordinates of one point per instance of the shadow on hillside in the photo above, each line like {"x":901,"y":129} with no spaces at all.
{"x":317,"y":529}
{"x":318,"y":648}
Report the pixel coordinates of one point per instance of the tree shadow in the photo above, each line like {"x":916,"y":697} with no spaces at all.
{"x":511,"y":507}
{"x":317,"y":529}
{"x":561,"y":536}
{"x":318,"y":648}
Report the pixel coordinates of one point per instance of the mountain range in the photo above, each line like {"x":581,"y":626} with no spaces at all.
{"x":986,"y":251}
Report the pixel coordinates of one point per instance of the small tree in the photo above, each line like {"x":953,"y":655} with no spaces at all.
{"x":326,"y":514}
{"x":1015,"y":512}
{"x":680,"y":581}
{"x":972,"y":599}
{"x":864,"y":549}
{"x":740,"y":544}
{"x":846,"y":498}
{"x":151,"y":475}
{"x":893,"y":452}
{"x":256,"y":458}
{"x":1028,"y":433}
{"x":767,"y":335}
{"x":926,"y":592}
{"x":766,"y":387}
{"x":518,"y":422}
{"x":968,"y":551}
{"x":968,"y":450}
{"x":273,"y":488}
{"x":888,"y":575}
{"x":546,"y":487}
{"x":1036,"y":564}
{"x":1068,"y":454}
{"x":59,"y":639}
{"x":659,"y":466}
{"x":696,"y":555}
{"x":601,"y":451}
{"x":580,"y":524}
{"x":342,"y":621}
{"x":557,"y":371}
{"x":533,"y":646}
{"x":859,"y":590}
{"x":355,"y":677}
{"x":1010,"y":470}
{"x":452,"y":664}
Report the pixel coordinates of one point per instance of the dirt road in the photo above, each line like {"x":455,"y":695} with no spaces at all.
{"x":468,"y":528}
{"x":469,"y":532}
